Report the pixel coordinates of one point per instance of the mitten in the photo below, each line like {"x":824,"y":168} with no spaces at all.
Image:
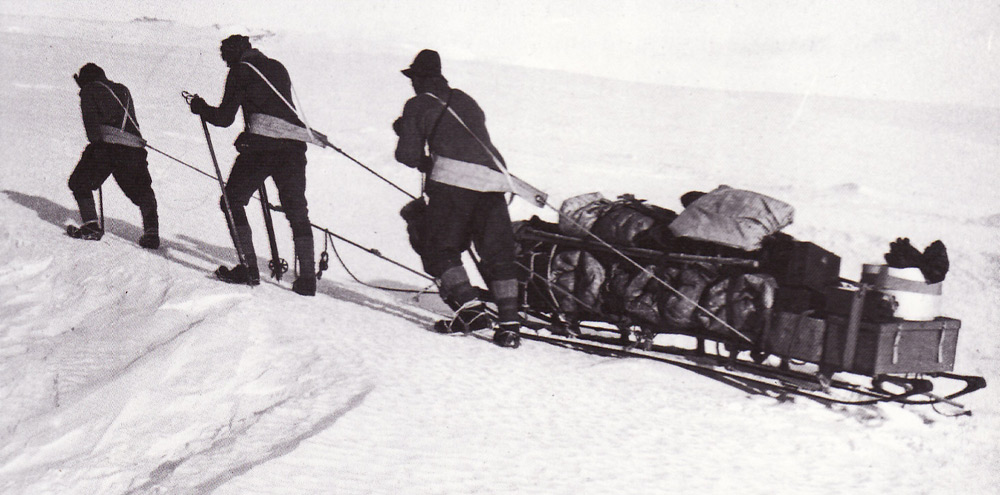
{"x":934,"y":264}
{"x":198,"y":105}
{"x":902,"y":254}
{"x":426,"y":164}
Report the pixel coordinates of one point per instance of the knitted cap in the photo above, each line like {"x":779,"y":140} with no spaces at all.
{"x":89,"y":73}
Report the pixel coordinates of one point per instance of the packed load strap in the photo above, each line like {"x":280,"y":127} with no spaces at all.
{"x":883,"y":280}
{"x":311,"y":136}
{"x":534,"y":195}
{"x":528,"y":233}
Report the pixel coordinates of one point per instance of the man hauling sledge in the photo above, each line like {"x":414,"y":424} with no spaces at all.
{"x":466,"y":180}
{"x":273,"y":144}
{"x":116,"y":148}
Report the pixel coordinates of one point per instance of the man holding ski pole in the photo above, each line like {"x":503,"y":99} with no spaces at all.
{"x":116,"y":148}
{"x":273,"y":144}
{"x":465,"y":188}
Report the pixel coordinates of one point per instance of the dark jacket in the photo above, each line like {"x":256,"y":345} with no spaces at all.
{"x":450,"y":139}
{"x":99,"y":107}
{"x":244,"y":87}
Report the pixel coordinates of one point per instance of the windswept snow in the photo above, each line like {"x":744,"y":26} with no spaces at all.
{"x":127,"y":371}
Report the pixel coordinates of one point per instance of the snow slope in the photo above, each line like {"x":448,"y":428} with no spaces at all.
{"x":132,"y":371}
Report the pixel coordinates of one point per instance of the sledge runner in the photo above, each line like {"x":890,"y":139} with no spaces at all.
{"x":273,"y":144}
{"x":116,"y":148}
{"x":465,"y":190}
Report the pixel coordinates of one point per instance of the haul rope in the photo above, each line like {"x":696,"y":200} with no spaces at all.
{"x":323,"y":262}
{"x":541,"y":200}
{"x":317,"y":136}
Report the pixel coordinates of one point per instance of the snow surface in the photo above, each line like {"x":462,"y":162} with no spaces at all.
{"x":131,"y":371}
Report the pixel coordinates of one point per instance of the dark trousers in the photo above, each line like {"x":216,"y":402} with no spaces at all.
{"x":287,"y":166}
{"x":128,"y":166}
{"x":455,"y":218}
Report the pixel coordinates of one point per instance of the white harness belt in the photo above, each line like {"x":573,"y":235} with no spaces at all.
{"x":116,"y":135}
{"x":476,"y":177}
{"x":275,"y":127}
{"x":461,"y":171}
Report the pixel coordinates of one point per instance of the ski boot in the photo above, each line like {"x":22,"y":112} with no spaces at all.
{"x":304,"y":286}
{"x":150,"y":240}
{"x":89,"y":231}
{"x":469,"y":317}
{"x":238,"y":274}
{"x":508,"y":334}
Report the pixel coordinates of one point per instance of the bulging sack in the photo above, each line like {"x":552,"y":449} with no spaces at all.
{"x":578,"y":214}
{"x":414,"y":214}
{"x":733,"y":217}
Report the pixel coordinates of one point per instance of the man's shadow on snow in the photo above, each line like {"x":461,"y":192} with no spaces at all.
{"x":410,"y":303}
{"x":58,"y":216}
{"x":405,"y":305}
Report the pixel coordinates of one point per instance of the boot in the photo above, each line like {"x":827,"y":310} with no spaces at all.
{"x":90,"y":231}
{"x":508,"y":334}
{"x":471,"y":316}
{"x":150,"y":227}
{"x":150,"y":240}
{"x":304,"y":286}
{"x":238,"y":274}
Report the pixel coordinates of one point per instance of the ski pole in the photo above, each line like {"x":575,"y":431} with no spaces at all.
{"x":100,"y":203}
{"x":277,"y":265}
{"x":225,"y":197}
{"x":222,"y":185}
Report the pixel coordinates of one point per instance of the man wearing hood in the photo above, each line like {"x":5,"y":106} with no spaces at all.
{"x":465,"y":189}
{"x":116,"y":148}
{"x":273,"y":144}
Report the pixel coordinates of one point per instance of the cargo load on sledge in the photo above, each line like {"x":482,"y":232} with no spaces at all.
{"x":721,"y":271}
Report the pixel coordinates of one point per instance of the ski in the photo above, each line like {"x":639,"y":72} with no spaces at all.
{"x":779,"y":383}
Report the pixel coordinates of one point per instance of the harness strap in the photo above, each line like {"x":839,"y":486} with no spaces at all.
{"x":437,"y":121}
{"x":299,"y":114}
{"x":127,"y":116}
{"x":539,"y":199}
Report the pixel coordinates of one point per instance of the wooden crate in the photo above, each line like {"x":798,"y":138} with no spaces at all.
{"x":896,"y":347}
{"x":795,"y":336}
{"x":802,"y":264}
{"x":799,"y":299}
{"x":878,"y":306}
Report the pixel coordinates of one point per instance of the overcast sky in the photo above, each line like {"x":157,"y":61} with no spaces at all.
{"x":942,"y":51}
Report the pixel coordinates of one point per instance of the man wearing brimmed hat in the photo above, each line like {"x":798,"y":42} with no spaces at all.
{"x":465,"y":189}
{"x":116,"y":148}
{"x":273,"y":144}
